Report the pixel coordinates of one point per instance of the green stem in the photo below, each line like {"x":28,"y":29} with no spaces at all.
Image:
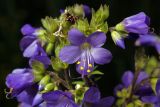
{"x":68,"y":81}
{"x":59,"y":80}
{"x":88,"y":81}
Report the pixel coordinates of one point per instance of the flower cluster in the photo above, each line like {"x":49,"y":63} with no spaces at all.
{"x":73,"y":38}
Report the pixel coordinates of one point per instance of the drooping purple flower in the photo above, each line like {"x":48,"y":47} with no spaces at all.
{"x":59,"y":99}
{"x":41,"y":57}
{"x":149,"y":40}
{"x":118,"y":39}
{"x":153,"y":99}
{"x":18,"y":80}
{"x":127,"y":81}
{"x":30,"y":97}
{"x":85,"y":51}
{"x":31,"y":46}
{"x":92,"y":98}
{"x":136,"y":24}
{"x":21,"y":83}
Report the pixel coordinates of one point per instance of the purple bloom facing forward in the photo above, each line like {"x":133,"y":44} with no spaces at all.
{"x":154,"y":99}
{"x":149,"y":40}
{"x":59,"y":99}
{"x":92,"y":99}
{"x":136,"y":24}
{"x":18,"y":80}
{"x":85,"y":51}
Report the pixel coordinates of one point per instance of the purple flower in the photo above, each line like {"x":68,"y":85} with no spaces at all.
{"x":42,"y":57}
{"x":18,"y":80}
{"x":92,"y":99}
{"x":153,"y":99}
{"x":87,"y":10}
{"x":85,"y":51}
{"x":31,"y":46}
{"x":135,"y":24}
{"x":21,"y":82}
{"x":118,"y":39}
{"x":127,"y":80}
{"x":30,"y":97}
{"x":59,"y":99}
{"x":149,"y":40}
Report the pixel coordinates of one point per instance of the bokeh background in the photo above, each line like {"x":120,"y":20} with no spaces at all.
{"x":15,"y":13}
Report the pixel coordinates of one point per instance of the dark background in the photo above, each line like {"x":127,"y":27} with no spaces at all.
{"x":15,"y":13}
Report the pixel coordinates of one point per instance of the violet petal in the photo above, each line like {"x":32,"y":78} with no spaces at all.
{"x":101,"y":55}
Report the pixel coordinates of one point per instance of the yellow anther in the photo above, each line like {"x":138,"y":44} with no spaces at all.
{"x":78,"y":62}
{"x":90,"y":65}
{"x":81,"y":68}
{"x":88,"y":70}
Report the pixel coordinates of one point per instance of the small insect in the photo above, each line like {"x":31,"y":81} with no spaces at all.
{"x":71,"y":18}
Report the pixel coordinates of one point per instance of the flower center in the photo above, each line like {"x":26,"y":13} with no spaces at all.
{"x":85,"y":46}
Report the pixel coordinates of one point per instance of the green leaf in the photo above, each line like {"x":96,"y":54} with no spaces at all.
{"x":83,"y":26}
{"x":50,"y":37}
{"x":96,"y":72}
{"x":60,"y":44}
{"x":153,"y":83}
{"x":102,"y":27}
{"x":78,"y":82}
{"x":100,"y":15}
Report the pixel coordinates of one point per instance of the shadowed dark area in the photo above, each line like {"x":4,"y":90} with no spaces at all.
{"x":16,"y":13}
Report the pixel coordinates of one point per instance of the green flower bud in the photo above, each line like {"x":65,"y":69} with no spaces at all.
{"x":49,"y":48}
{"x":38,"y":67}
{"x":78,"y":10}
{"x":138,"y":103}
{"x":120,"y":102}
{"x":49,"y":87}
{"x":37,"y":77}
{"x":57,"y":64}
{"x":152,"y":64}
{"x":119,"y":94}
{"x":55,"y":88}
{"x":50,"y":24}
{"x":44,"y":80}
{"x":130,"y":105}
